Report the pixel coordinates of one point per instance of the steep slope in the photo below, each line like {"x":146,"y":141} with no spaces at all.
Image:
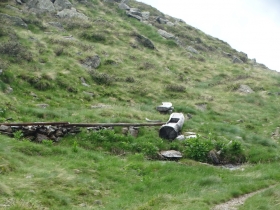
{"x":115,"y":61}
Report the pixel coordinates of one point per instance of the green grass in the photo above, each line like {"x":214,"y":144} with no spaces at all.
{"x":95,"y":170}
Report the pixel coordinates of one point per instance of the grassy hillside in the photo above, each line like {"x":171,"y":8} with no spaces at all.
{"x":43,"y":64}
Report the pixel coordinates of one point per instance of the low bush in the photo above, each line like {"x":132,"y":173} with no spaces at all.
{"x":93,"y":36}
{"x":175,"y":88}
{"x":16,"y":51}
{"x":102,"y":78}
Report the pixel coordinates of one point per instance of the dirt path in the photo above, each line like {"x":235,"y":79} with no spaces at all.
{"x":234,"y":203}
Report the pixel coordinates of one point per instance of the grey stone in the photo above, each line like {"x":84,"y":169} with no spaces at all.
{"x":129,"y":14}
{"x":161,"y":20}
{"x":145,"y":15}
{"x":192,"y":50}
{"x":71,"y":13}
{"x":245,"y":89}
{"x":145,"y":41}
{"x":12,"y":20}
{"x":165,"y":34}
{"x":62,"y":4}
{"x":170,"y":23}
{"x":45,"y":5}
{"x":92,"y":62}
{"x":124,"y":6}
{"x":171,"y":154}
{"x":236,"y":60}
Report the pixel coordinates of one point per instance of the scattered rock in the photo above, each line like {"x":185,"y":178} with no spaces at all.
{"x":245,"y":89}
{"x":145,"y":41}
{"x":236,"y":60}
{"x":201,"y":107}
{"x":9,"y":90}
{"x":170,"y":154}
{"x":71,"y":13}
{"x":129,"y":14}
{"x":161,"y":20}
{"x":90,"y":94}
{"x":170,"y":23}
{"x":12,"y":20}
{"x":124,"y":6}
{"x":165,"y":34}
{"x":43,"y":105}
{"x":92,"y":62}
{"x":62,"y":4}
{"x":180,"y":138}
{"x":41,"y":5}
{"x":192,"y":50}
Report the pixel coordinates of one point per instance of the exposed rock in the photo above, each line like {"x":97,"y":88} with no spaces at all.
{"x":145,"y":15}
{"x":161,"y":20}
{"x":4,"y":128}
{"x":9,"y":90}
{"x":62,"y":4}
{"x":84,"y":82}
{"x":192,"y":50}
{"x":171,"y":154}
{"x":41,"y":137}
{"x":43,"y":105}
{"x":12,"y":20}
{"x":19,"y":2}
{"x":236,"y":60}
{"x":135,"y":11}
{"x":245,"y":89}
{"x":92,"y":62}
{"x":133,"y":131}
{"x":145,"y":41}
{"x":129,"y":14}
{"x":12,"y":8}
{"x":43,"y":5}
{"x":165,"y":34}
{"x":213,"y":155}
{"x":90,"y":94}
{"x":124,"y":6}
{"x":201,"y":106}
{"x":170,"y":23}
{"x":71,"y":13}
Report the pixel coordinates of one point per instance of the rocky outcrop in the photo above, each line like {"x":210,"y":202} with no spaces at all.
{"x":245,"y":89}
{"x":236,"y":60}
{"x":92,"y":62}
{"x":165,"y":34}
{"x":71,"y":13}
{"x":145,"y":41}
{"x":62,"y":4}
{"x":41,"y":5}
{"x":192,"y":50}
{"x":12,"y":20}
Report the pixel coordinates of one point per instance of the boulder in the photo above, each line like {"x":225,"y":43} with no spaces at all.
{"x":92,"y":62}
{"x":129,"y":14}
{"x":62,"y":4}
{"x":171,"y":154}
{"x":145,"y":41}
{"x":165,"y":34}
{"x":245,"y":89}
{"x":43,"y":5}
{"x":145,"y":15}
{"x":71,"y":13}
{"x":192,"y":50}
{"x":12,"y":20}
{"x":161,"y":20}
{"x":170,"y":23}
{"x":124,"y":6}
{"x":236,"y":60}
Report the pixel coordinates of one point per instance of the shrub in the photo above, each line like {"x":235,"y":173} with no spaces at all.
{"x":130,"y":79}
{"x":15,"y":50}
{"x":175,"y":88}
{"x":102,"y":78}
{"x":198,"y":149}
{"x":93,"y":36}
